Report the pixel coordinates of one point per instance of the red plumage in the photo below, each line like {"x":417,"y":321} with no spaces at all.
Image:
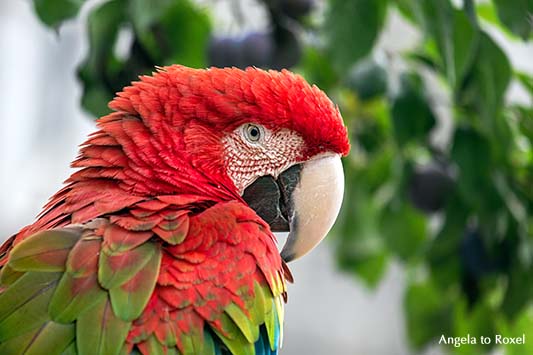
{"x":155,"y":172}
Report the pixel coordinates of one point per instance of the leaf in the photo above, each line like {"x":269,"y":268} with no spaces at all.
{"x":129,"y":299}
{"x":368,"y":79}
{"x":404,"y":230}
{"x":412,"y":11}
{"x":443,"y":251}
{"x":428,"y":313}
{"x":351,"y":29}
{"x":453,"y":34}
{"x":516,"y":16}
{"x":477,"y":322}
{"x":317,"y":69}
{"x":527,"y":81}
{"x":412,"y":116}
{"x":472,"y":153}
{"x":359,"y":249}
{"x":172,"y":31}
{"x":522,"y":325}
{"x":99,"y":331}
{"x":484,"y":87}
{"x":465,"y":42}
{"x":519,"y":290}
{"x":103,"y":25}
{"x":437,"y":21}
{"x":53,"y":12}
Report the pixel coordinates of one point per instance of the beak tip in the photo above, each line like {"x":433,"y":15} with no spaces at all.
{"x":287,"y":256}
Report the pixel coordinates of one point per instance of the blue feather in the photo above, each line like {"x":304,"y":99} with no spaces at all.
{"x":262,"y":345}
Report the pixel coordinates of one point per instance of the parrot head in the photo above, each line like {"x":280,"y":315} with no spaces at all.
{"x":267,"y":138}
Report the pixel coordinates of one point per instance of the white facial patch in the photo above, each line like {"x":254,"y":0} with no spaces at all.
{"x":270,"y":155}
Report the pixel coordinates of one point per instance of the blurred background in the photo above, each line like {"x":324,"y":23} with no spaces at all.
{"x":435,"y":236}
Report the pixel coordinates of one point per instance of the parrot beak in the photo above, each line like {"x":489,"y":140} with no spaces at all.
{"x":304,"y":200}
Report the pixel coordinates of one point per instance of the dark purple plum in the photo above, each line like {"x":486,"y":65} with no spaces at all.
{"x":257,"y":49}
{"x":429,"y":186}
{"x":225,"y":52}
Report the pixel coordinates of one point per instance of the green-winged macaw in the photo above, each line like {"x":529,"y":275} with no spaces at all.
{"x":162,"y":241}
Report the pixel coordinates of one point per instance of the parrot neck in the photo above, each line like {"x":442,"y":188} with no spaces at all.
{"x":145,"y":163}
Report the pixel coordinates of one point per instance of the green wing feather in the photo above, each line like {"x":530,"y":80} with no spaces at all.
{"x":130,"y":298}
{"x":44,"y":251}
{"x":115,"y":268}
{"x":99,"y":331}
{"x":64,"y":292}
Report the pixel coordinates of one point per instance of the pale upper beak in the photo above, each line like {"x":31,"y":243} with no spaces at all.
{"x":304,"y":200}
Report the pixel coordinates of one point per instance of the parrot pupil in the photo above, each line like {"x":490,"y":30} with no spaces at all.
{"x":253,"y":133}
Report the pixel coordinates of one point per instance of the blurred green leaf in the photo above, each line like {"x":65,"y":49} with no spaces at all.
{"x":404,"y":230}
{"x":485,"y":85}
{"x":411,"y":114}
{"x":527,"y":81}
{"x":53,"y":12}
{"x":477,"y":322}
{"x":465,"y":43}
{"x":472,"y":153}
{"x":438,"y":19}
{"x":378,"y":170}
{"x":413,"y":11}
{"x":521,"y":326}
{"x":455,"y":37}
{"x":443,"y":250}
{"x":351,"y":29}
{"x":516,"y":15}
{"x":144,"y":14}
{"x":318,"y":69}
{"x":428,"y":313}
{"x":487,"y":11}
{"x":172,"y":31}
{"x":368,"y":79}
{"x":372,"y":127}
{"x":519,"y":290}
{"x":104,"y":23}
{"x":359,"y":249}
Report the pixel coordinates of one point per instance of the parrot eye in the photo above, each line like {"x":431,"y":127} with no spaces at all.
{"x":253,"y":133}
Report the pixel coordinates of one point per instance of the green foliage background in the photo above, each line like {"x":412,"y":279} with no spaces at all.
{"x":470,"y":257}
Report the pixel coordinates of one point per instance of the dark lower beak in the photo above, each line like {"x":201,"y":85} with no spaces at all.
{"x":271,"y":198}
{"x":304,"y":200}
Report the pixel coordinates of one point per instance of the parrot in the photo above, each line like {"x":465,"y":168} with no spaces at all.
{"x":162,"y":241}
